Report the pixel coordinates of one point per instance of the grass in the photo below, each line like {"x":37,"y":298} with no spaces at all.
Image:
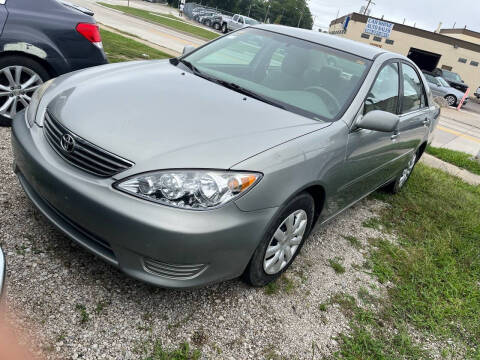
{"x":165,"y":21}
{"x":183,"y":352}
{"x":120,"y":48}
{"x":353,"y":241}
{"x":457,"y":158}
{"x":434,"y":269}
{"x":84,"y":317}
{"x":336,"y":265}
{"x":282,"y":284}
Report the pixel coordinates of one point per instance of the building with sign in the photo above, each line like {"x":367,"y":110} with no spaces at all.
{"x":456,"y":50}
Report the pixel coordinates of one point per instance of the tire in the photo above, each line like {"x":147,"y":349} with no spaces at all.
{"x":208,"y":23}
{"x":12,"y":93}
{"x":224,"y":28}
{"x":216,"y":26}
{"x":264,"y":269}
{"x":451,"y":100}
{"x":397,"y":185}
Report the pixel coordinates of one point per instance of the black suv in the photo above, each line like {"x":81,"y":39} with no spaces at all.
{"x":452,"y":78}
{"x":42,"y":39}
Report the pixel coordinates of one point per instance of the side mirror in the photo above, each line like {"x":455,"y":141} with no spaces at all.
{"x":2,"y":272}
{"x":378,"y":120}
{"x":188,"y":49}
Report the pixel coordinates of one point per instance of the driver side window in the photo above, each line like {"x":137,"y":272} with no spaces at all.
{"x":384,"y":93}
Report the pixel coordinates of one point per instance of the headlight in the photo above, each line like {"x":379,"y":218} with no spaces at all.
{"x":189,"y":189}
{"x":35,"y":102}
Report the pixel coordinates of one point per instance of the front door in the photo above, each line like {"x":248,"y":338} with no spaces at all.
{"x":371,"y":154}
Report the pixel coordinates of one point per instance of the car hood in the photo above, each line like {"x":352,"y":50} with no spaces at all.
{"x":159,"y":116}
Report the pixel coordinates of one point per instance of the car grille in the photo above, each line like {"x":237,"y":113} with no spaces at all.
{"x":82,"y":153}
{"x":180,"y":272}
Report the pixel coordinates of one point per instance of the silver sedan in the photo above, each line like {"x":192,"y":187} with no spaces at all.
{"x":219,"y":163}
{"x":441,"y":88}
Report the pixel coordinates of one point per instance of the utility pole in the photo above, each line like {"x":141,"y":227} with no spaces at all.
{"x":370,"y":2}
{"x":300,"y":20}
{"x":266,"y":14}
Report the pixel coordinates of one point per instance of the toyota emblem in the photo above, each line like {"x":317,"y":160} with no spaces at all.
{"x":68,"y":143}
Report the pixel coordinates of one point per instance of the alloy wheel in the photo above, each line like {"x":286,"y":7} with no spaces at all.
{"x":407,"y":171}
{"x":451,"y":100}
{"x":17,"y":85}
{"x":285,"y":242}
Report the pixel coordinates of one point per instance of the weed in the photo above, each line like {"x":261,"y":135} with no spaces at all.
{"x":336,"y":265}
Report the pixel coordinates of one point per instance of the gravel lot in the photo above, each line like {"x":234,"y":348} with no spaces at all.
{"x":83,"y":308}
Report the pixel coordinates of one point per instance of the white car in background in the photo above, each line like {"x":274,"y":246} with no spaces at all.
{"x":237,"y":22}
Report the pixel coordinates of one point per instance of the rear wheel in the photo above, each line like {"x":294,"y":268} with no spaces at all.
{"x":396,"y":185}
{"x":451,"y":100}
{"x":19,"y":78}
{"x":282,"y":241}
{"x":208,"y":23}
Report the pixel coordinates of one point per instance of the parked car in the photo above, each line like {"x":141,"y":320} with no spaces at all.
{"x":477,"y":93}
{"x":237,"y":22}
{"x":441,"y":88}
{"x":205,"y":19}
{"x":453,"y":79}
{"x":42,"y":39}
{"x":214,"y":20}
{"x":2,"y":273}
{"x":196,"y":196}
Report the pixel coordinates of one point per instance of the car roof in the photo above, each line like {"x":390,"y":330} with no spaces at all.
{"x":333,"y":41}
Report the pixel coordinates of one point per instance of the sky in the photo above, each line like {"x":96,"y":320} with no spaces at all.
{"x":425,"y":13}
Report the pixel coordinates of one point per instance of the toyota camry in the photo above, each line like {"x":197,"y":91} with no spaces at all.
{"x":219,"y":163}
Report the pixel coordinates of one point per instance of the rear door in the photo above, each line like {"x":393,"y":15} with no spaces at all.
{"x":414,"y":112}
{"x":3,"y":14}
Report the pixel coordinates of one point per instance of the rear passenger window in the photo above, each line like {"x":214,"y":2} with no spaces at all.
{"x":413,"y":90}
{"x":384,"y":93}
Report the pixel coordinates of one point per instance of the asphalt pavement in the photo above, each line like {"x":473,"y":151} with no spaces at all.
{"x":459,"y":129}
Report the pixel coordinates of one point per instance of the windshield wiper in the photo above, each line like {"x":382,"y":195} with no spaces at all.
{"x":230,"y":85}
{"x":248,"y":92}
{"x":192,"y":67}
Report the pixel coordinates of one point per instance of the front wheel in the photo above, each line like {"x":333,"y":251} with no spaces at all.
{"x":224,"y":28}
{"x":216,"y":26}
{"x":281,"y":242}
{"x":451,"y":100}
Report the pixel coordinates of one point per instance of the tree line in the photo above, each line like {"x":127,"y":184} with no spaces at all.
{"x":285,"y":12}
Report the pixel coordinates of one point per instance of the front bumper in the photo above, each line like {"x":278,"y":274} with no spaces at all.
{"x":160,"y":245}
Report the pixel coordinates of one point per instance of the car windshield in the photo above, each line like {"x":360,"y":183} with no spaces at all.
{"x":442,"y":81}
{"x":451,"y":76}
{"x":299,"y":76}
{"x":249,"y":21}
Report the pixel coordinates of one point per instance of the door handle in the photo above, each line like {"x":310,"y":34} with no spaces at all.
{"x":426,"y":122}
